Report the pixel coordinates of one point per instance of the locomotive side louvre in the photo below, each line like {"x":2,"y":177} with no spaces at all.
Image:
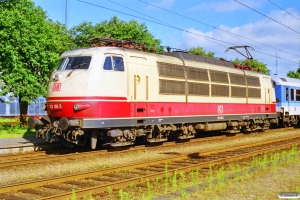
{"x":117,"y":94}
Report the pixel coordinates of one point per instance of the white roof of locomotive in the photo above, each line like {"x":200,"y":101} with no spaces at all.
{"x":159,"y":57}
{"x":284,"y":80}
{"x":88,"y":51}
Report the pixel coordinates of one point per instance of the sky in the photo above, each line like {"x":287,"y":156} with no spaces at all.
{"x":270,"y":27}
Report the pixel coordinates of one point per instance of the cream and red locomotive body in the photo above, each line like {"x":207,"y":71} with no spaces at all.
{"x":115,"y":95}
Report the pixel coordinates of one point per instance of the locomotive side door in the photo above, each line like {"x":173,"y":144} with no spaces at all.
{"x":140,"y":85}
{"x":140,"y":79}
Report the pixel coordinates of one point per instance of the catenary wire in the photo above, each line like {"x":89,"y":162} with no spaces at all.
{"x":284,"y":10}
{"x":156,"y":22}
{"x":171,"y":26}
{"x":218,"y":28}
{"x":267,"y":17}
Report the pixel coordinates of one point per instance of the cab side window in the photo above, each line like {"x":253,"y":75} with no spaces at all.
{"x":113,"y":63}
{"x":118,"y":64}
{"x":107,"y":63}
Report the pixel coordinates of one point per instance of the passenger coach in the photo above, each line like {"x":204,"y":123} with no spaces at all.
{"x":287,"y":100}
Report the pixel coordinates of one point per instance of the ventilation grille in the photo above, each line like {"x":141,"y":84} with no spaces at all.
{"x":199,"y":89}
{"x":220,"y":90}
{"x":253,"y":81}
{"x":170,"y":70}
{"x":254,"y":93}
{"x":197,"y":74}
{"x":237,"y":79}
{"x":218,"y":77}
{"x":171,"y":87}
{"x":238,"y":91}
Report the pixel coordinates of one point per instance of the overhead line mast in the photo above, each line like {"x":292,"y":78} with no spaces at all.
{"x":66,"y":13}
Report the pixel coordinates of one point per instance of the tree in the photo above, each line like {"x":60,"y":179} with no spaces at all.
{"x":293,"y":74}
{"x":254,"y":64}
{"x":200,"y":51}
{"x":29,"y":50}
{"x":115,"y":29}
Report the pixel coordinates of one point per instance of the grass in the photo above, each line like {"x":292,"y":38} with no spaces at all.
{"x":4,"y":134}
{"x":241,"y":180}
{"x":9,"y":119}
{"x":13,"y":128}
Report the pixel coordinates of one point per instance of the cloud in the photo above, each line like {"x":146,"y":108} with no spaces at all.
{"x":226,"y":6}
{"x":266,"y":36}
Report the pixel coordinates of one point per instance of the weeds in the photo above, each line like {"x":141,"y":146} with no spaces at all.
{"x":174,"y":181}
{"x":167,"y":177}
{"x":221,"y":175}
{"x":182,"y":184}
{"x":121,"y":194}
{"x":149,"y":190}
{"x":210,"y":175}
{"x":179,"y":182}
{"x":73,"y":195}
{"x":109,"y":190}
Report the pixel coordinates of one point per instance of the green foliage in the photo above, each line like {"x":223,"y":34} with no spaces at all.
{"x":253,"y":64}
{"x":29,"y":49}
{"x":73,"y":195}
{"x":121,"y":194}
{"x":149,"y":190}
{"x":200,"y":51}
{"x":167,"y":178}
{"x":115,"y":29}
{"x":293,"y":74}
{"x":174,"y":181}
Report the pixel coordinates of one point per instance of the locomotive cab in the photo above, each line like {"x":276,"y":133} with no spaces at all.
{"x":84,"y":86}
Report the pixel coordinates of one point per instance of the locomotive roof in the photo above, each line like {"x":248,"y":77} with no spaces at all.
{"x":181,"y":56}
{"x":187,"y":56}
{"x":284,"y":80}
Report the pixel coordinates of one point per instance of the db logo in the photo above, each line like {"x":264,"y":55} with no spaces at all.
{"x":220,"y":109}
{"x":56,"y":87}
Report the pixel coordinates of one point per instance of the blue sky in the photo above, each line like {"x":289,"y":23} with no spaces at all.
{"x":269,"y":26}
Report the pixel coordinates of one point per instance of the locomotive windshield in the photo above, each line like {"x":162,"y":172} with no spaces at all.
{"x":71,"y":63}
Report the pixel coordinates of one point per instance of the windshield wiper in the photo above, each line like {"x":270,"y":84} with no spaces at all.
{"x":76,"y":67}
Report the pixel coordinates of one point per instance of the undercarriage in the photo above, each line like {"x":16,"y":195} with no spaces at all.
{"x":125,"y":136}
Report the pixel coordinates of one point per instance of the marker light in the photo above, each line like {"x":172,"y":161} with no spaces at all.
{"x":81,"y":106}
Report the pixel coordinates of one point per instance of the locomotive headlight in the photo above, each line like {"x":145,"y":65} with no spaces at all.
{"x":56,"y":77}
{"x":76,"y":106}
{"x":81,"y":106}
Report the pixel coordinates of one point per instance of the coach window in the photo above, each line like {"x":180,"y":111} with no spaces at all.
{"x":292,"y":94}
{"x":297,"y":95}
{"x":113,"y":63}
{"x":287,"y":94}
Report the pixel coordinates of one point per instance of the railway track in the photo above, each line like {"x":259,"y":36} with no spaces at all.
{"x":55,"y":155}
{"x":97,"y":182}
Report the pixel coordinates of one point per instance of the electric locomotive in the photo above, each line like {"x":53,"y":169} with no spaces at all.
{"x":113,"y":95}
